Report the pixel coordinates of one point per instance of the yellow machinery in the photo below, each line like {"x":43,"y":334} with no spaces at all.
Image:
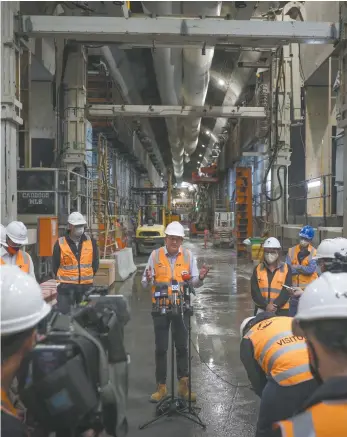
{"x":150,"y":230}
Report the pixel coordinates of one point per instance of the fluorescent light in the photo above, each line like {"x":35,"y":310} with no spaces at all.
{"x":313,"y":184}
{"x":221,"y":82}
{"x":207,"y":132}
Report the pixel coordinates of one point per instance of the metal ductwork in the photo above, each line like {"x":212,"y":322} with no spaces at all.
{"x":169,"y":65}
{"x":168,"y":69}
{"x":196,"y":74}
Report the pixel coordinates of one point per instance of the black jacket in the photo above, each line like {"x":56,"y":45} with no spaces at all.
{"x":76,"y":251}
{"x":11,"y":426}
{"x":334,"y":389}
{"x":258,"y":298}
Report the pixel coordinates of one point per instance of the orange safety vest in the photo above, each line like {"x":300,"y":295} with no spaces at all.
{"x":280,"y":354}
{"x":164,"y":273}
{"x":326,"y":419}
{"x":302,"y":281}
{"x":271,"y":291}
{"x":22,"y":261}
{"x":70,"y":270}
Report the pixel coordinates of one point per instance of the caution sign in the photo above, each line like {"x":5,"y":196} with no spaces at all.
{"x":36,"y":202}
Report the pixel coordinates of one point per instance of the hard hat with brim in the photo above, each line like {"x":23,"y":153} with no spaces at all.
{"x":76,"y":219}
{"x":324,"y":298}
{"x":22,"y":304}
{"x":174,"y":229}
{"x":17,"y":233}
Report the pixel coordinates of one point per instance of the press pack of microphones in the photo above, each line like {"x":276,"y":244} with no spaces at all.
{"x":175,"y":301}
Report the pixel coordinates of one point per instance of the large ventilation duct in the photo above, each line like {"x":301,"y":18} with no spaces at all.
{"x":196,"y":74}
{"x":168,"y":69}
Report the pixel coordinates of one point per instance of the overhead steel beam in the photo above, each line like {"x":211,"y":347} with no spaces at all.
{"x":111,"y":111}
{"x":201,"y":32}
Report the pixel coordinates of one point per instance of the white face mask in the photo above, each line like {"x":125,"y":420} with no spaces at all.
{"x":78,"y":232}
{"x":270,"y":258}
{"x":304,"y":243}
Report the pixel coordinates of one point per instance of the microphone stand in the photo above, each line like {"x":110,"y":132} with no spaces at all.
{"x":172,"y":405}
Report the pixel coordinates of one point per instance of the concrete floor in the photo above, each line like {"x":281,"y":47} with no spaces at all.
{"x":220,"y":306}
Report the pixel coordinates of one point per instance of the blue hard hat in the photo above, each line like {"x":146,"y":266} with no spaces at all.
{"x":307,"y":232}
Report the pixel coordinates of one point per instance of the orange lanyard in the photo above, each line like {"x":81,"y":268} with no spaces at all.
{"x":6,"y":404}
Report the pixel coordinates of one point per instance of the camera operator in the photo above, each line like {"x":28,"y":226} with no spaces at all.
{"x":22,"y":308}
{"x":75,"y":262}
{"x":164,"y":266}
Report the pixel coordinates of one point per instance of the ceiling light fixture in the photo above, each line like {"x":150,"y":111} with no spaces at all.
{"x":203,"y":145}
{"x":200,"y":155}
{"x":221,"y":82}
{"x":207,"y":132}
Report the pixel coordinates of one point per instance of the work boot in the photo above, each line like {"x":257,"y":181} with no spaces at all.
{"x":183,"y":389}
{"x":159,"y":394}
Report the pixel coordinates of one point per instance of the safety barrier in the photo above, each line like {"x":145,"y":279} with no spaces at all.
{"x":49,"y":291}
{"x":124,"y":264}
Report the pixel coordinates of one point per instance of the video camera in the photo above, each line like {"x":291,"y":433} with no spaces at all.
{"x":77,"y":375}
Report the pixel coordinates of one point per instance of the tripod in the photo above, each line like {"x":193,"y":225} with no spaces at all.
{"x":172,"y":405}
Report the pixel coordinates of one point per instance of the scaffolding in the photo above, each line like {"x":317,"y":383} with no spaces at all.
{"x":104,"y":202}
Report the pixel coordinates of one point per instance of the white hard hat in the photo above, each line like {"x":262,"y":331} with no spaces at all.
{"x":243,"y":325}
{"x":17,"y":232}
{"x":3,"y":236}
{"x":22,"y":304}
{"x":326,"y":249}
{"x":324,"y":298}
{"x":175,"y":229}
{"x":76,"y":219}
{"x":272,"y":243}
{"x":341,"y":245}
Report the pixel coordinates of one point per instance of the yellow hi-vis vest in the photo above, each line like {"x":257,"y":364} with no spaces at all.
{"x":72,"y":272}
{"x":302,"y":281}
{"x":22,"y":261}
{"x":280,"y":354}
{"x":164,"y":273}
{"x":272,"y":291}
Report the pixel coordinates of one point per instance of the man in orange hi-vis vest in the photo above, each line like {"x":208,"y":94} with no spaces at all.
{"x":75,"y":262}
{"x":165,"y":268}
{"x":14,"y":237}
{"x":277,"y":365}
{"x":322,"y":320}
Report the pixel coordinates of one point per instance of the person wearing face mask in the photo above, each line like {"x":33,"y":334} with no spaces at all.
{"x":322,"y":320}
{"x":304,"y":267}
{"x":75,"y":262}
{"x":268,"y":281}
{"x":277,"y":366}
{"x":13,"y":239}
{"x":22,"y":308}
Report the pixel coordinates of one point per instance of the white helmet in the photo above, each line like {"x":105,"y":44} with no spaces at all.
{"x":17,"y":232}
{"x":272,"y":243}
{"x":341,"y":245}
{"x":175,"y":229}
{"x":76,"y":219}
{"x":243,"y":325}
{"x":327,"y":248}
{"x":22,"y":304}
{"x":3,"y":236}
{"x":324,"y":298}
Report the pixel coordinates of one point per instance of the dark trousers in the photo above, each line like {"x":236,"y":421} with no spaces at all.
{"x":279,"y":403}
{"x":180,"y":334}
{"x":70,"y":295}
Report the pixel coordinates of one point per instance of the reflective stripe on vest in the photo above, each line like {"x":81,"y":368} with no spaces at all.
{"x":279,"y":353}
{"x":302,"y":281}
{"x":326,"y":419}
{"x":22,"y":261}
{"x":279,"y":278}
{"x":72,"y":272}
{"x":164,"y":272}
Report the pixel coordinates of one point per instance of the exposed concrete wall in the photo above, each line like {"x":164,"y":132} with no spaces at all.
{"x":318,"y":146}
{"x":43,"y":117}
{"x":312,"y":55}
